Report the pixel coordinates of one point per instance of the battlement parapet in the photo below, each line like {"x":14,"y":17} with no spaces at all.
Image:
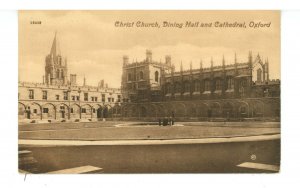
{"x":67,"y":87}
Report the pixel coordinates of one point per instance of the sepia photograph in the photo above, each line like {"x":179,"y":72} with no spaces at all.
{"x":132,"y":91}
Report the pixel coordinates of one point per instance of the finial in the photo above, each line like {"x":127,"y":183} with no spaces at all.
{"x":223,"y":60}
{"x":181,"y":69}
{"x":201,"y":64}
{"x":211,"y":62}
{"x":191,"y":65}
{"x":235,"y":59}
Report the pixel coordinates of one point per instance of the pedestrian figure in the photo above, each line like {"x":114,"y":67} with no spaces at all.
{"x":159,"y":121}
{"x":172,"y":120}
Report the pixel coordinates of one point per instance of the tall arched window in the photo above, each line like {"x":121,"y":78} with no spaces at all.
{"x":129,"y":77}
{"x":207,"y":85}
{"x":156,"y":76}
{"x":230,"y":84}
{"x":186,"y":87}
{"x":177,"y":88}
{"x":57,"y":73}
{"x":197,"y":85}
{"x":218,"y":84}
{"x":259,"y":73}
{"x":141,"y":75}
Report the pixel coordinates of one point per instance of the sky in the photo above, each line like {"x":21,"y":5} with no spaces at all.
{"x":94,"y":46}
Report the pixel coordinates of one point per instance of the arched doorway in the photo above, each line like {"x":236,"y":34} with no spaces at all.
{"x":99,"y":112}
{"x":203,"y":110}
{"x":243,"y":110}
{"x":86,"y":111}
{"x":106,"y":112}
{"x":62,"y":111}
{"x":228,"y":110}
{"x":33,"y":111}
{"x":215,"y":109}
{"x":21,"y":111}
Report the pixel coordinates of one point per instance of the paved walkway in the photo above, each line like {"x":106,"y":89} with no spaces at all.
{"x":147,"y":142}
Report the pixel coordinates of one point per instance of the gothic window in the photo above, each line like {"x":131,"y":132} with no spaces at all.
{"x":218,"y":84}
{"x":197,"y":85}
{"x":141,"y":75}
{"x":230,"y":84}
{"x":242,"y":87}
{"x":57,"y":74}
{"x":207,"y":85}
{"x":129,"y":78}
{"x":62,"y":74}
{"x":156,"y":76}
{"x":31,"y":94}
{"x":65,"y":95}
{"x":259,"y":73}
{"x":187,"y":87}
{"x":96,"y":99}
{"x":45,"y":95}
{"x":103,"y":97}
{"x":72,"y":110}
{"x":86,"y":96}
{"x":83,"y":110}
{"x":177,"y":88}
{"x":57,"y":97}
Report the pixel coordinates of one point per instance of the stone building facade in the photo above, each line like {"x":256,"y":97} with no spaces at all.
{"x":61,"y":99}
{"x":236,"y":90}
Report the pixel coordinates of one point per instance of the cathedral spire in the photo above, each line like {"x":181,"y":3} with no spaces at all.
{"x":55,"y":49}
{"x":223,"y":61}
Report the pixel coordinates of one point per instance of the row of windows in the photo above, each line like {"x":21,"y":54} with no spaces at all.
{"x":73,"y":97}
{"x":141,"y":76}
{"x":207,"y":86}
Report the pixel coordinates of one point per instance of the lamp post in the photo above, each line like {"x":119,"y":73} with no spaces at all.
{"x":79,"y":91}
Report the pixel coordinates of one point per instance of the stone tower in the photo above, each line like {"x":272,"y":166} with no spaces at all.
{"x":56,"y":70}
{"x":141,"y":81}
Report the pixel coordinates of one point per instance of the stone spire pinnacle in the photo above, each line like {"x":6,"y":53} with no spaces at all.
{"x":223,"y":61}
{"x":235,"y":59}
{"x":181,"y":69}
{"x":55,"y":49}
{"x":201,"y":64}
